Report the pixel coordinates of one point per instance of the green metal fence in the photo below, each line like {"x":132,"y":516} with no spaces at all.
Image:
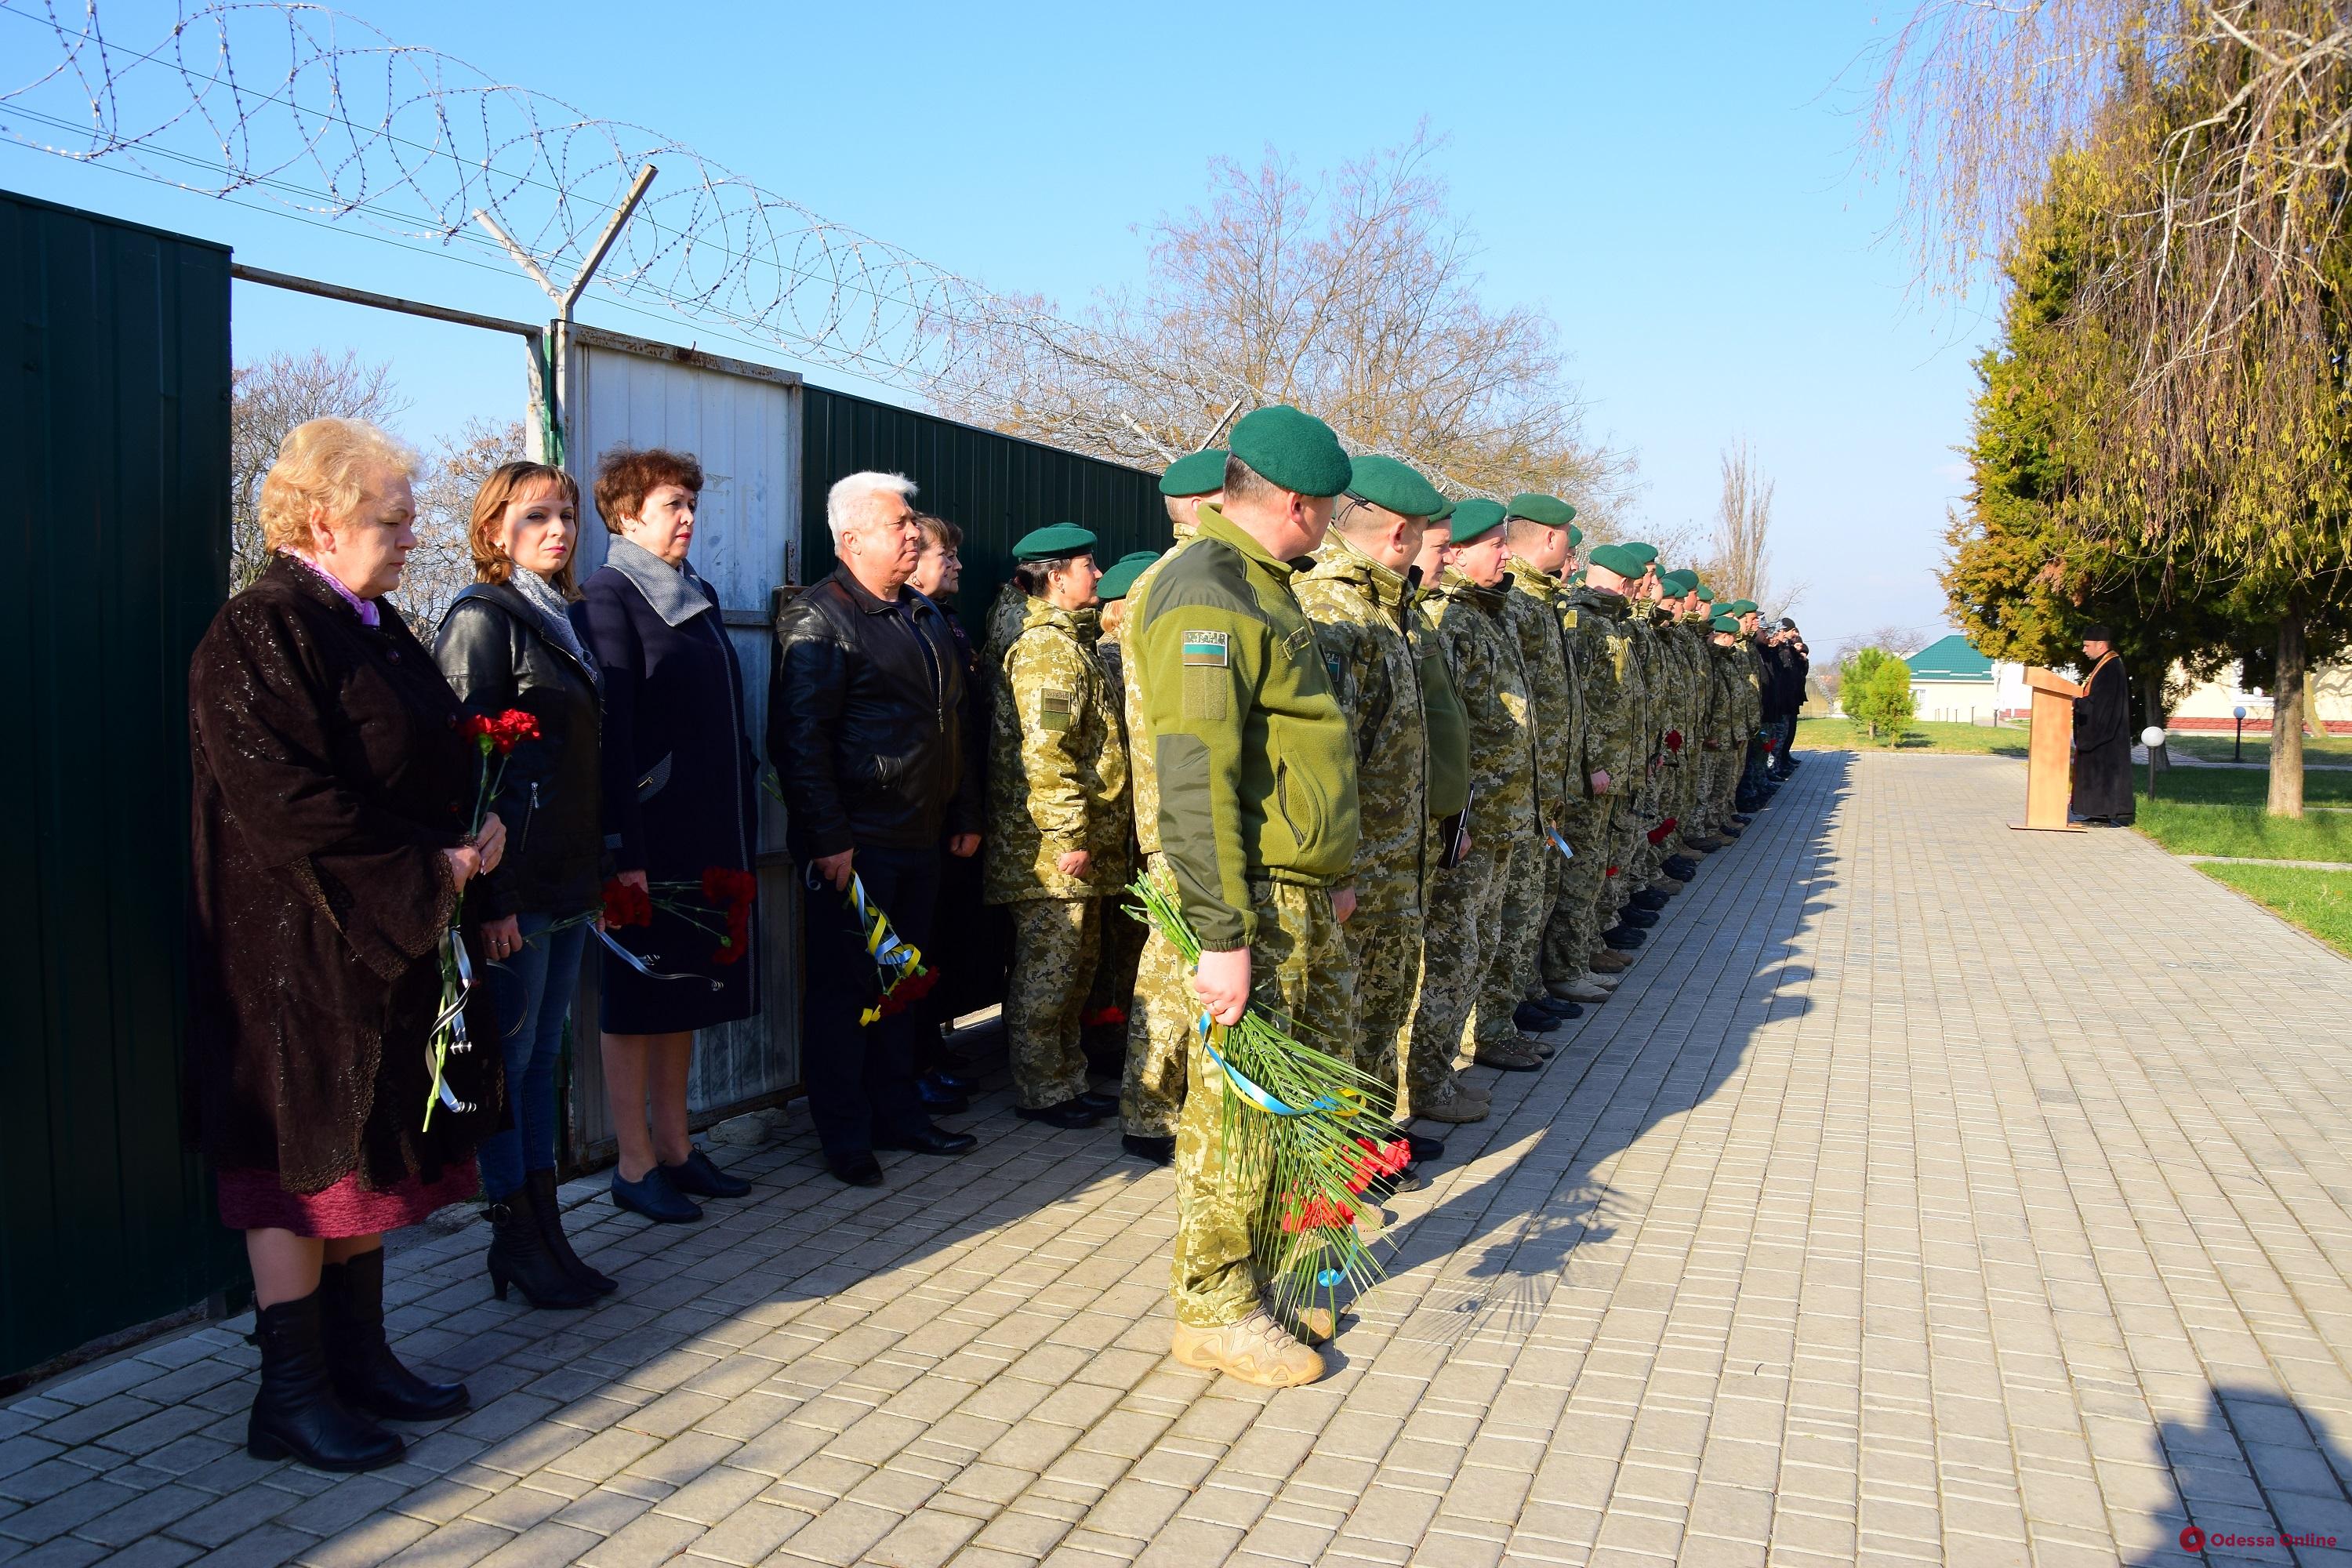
{"x":996,"y":487}
{"x":114,"y":409}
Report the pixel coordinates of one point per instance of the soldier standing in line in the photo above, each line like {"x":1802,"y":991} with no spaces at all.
{"x":1576,"y":967}
{"x":1113,"y":996}
{"x":1358,"y":598}
{"x":1539,"y":531}
{"x":1466,"y":995}
{"x":1056,"y":841}
{"x":1616,"y":570}
{"x":1151,"y":1091}
{"x":1258,"y":828}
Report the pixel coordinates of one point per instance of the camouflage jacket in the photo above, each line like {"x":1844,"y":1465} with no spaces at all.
{"x":1532,"y":612}
{"x":1056,"y":767}
{"x":1008,"y":616}
{"x":1695,"y":671}
{"x":1483,"y":658}
{"x":1601,"y":651}
{"x":1371,"y":640}
{"x":1724,"y":725}
{"x":1650,"y":713}
{"x":1143,"y":767}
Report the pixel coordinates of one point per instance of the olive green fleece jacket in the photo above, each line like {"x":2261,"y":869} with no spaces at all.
{"x":1256,"y":765}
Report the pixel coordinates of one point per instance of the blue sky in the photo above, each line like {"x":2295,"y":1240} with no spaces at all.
{"x":1679,"y":189}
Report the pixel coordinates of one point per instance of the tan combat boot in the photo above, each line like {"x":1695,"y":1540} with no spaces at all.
{"x":1510,"y":1057}
{"x":1453,"y":1100}
{"x":1609,"y":962}
{"x":1583,"y":988}
{"x":1257,"y":1350}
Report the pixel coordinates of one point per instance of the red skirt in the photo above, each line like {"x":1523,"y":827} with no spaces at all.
{"x":255,"y":1200}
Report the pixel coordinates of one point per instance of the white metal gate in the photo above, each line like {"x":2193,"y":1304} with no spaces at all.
{"x":743,"y":422}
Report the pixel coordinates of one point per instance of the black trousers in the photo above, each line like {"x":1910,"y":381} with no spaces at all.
{"x":861,"y":1079}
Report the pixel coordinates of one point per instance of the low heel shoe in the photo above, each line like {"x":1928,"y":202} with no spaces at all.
{"x":653,"y":1196}
{"x":1068,"y":1113}
{"x":700,"y":1177}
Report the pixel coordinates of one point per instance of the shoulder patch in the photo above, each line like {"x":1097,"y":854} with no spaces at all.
{"x":1208,"y":648}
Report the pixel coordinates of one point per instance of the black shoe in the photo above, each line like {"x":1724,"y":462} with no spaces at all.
{"x":696,"y":1176}
{"x":1563,"y":1010}
{"x":367,"y":1375}
{"x":1742,"y":818}
{"x":1068,"y":1113}
{"x":1159,"y":1150}
{"x":1639,"y":919}
{"x":546,"y":1208}
{"x":1099,"y":1103}
{"x":519,"y":1255}
{"x":1530,"y":1019}
{"x":297,"y":1414}
{"x":1624,"y":939}
{"x":857,"y":1170}
{"x":652,"y":1196}
{"x":938,"y":1099}
{"x":1646,"y":900}
{"x":1425,"y":1150}
{"x":951,"y":1081}
{"x":930,"y":1141}
{"x":1680,"y":869}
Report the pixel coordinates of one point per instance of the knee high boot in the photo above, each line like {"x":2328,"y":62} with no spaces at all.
{"x":549,"y":1212}
{"x":297,"y":1412}
{"x":366,"y":1373}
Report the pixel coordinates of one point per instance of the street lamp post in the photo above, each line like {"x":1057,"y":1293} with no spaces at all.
{"x":2238,"y":747}
{"x":2152,"y":738}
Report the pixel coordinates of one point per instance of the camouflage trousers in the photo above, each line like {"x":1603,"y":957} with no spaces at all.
{"x":1386,"y":949}
{"x":1054,"y":945}
{"x":1159,"y":1033}
{"x":1636,"y":858}
{"x":1298,"y":967}
{"x":1122,"y":945}
{"x":1518,"y":937}
{"x":1458,"y":945}
{"x":1573,"y":928}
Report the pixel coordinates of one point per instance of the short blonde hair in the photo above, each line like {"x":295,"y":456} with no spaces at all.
{"x":324,"y":463}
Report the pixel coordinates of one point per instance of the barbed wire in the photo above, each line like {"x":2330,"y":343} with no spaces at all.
{"x":327,"y":118}
{"x":324,"y":114}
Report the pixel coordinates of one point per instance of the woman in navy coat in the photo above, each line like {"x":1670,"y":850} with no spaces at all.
{"x":678,"y":776}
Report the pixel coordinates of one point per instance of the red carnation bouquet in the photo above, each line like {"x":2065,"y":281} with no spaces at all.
{"x":494,"y":736}
{"x":720,"y":904}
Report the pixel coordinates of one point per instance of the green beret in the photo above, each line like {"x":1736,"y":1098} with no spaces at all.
{"x":1726,"y":624}
{"x":1678,"y":583}
{"x":1645,"y":553}
{"x":1121,"y":576}
{"x":1621,"y":559}
{"x":1056,"y":541}
{"x":1385,"y":482}
{"x":1706,"y":594}
{"x":1142,"y":558}
{"x":1575,"y":536}
{"x":1444,"y":509}
{"x":1549,"y":510}
{"x":1292,"y":449}
{"x":1475,"y":516}
{"x":1741,"y":607}
{"x":1201,"y":474}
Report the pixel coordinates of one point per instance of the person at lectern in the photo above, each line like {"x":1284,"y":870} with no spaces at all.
{"x":2102,"y":781}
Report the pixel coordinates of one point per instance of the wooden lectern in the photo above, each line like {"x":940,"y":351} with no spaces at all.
{"x":2049,"y":766}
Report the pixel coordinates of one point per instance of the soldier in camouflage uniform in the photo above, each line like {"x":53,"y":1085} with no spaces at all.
{"x":1636,"y":859}
{"x":1601,"y":660}
{"x":1113,"y":997}
{"x":1358,"y":598}
{"x":1467,"y":981}
{"x":1613,"y":573}
{"x":1057,"y":821}
{"x":1540,"y":534}
{"x":1257,"y":830}
{"x":1151,"y":1091}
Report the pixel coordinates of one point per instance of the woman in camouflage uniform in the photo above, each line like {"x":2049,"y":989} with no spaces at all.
{"x":1058,"y":818}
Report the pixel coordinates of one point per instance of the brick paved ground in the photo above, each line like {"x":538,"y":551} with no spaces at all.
{"x":1930,"y":1192}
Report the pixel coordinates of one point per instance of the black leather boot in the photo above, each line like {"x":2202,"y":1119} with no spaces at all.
{"x":367,"y":1375}
{"x":549,"y":1212}
{"x":519,"y":1255}
{"x":297,"y":1414}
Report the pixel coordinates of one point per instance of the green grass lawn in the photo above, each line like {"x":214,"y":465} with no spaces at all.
{"x":2214,"y":748}
{"x":2319,"y":901}
{"x":2242,"y":786}
{"x":2186,"y":828}
{"x":1845,"y":735}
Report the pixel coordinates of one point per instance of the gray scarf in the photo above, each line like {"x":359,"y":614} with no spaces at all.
{"x":554,"y":619}
{"x":676,"y":593}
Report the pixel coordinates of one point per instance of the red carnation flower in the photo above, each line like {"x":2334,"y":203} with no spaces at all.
{"x":625,"y":904}
{"x":1673,"y":740}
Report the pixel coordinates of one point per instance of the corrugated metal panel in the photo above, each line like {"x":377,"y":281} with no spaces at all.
{"x":996,"y":487}
{"x":743,"y":422}
{"x":114,"y":428}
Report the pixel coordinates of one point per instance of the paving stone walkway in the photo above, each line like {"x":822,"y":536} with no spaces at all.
{"x":1929,"y":1193}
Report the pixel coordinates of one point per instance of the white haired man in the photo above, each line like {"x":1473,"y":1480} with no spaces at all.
{"x":866,"y":704}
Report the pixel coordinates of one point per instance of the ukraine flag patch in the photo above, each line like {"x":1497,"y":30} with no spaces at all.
{"x":1208,"y":648}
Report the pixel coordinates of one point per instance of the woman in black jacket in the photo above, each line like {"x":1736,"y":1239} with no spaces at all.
{"x":508,"y":642}
{"x":678,"y":807}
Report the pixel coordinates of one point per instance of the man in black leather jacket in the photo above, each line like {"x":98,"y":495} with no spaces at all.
{"x":867,"y":728}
